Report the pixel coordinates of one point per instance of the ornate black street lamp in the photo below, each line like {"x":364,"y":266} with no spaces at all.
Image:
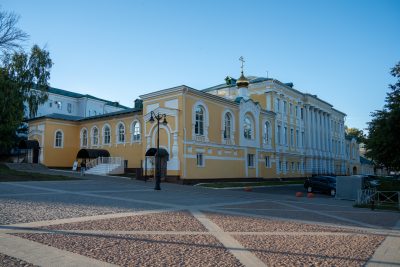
{"x":158,"y":117}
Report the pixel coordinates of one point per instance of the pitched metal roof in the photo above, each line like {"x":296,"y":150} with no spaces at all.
{"x":62,"y":92}
{"x":65,"y":117}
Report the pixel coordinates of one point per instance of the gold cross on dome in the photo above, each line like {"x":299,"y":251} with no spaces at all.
{"x":242,"y":59}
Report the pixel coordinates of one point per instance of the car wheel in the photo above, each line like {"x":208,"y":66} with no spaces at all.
{"x":309,"y":189}
{"x":333,"y":192}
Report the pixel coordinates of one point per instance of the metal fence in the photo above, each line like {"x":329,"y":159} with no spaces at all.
{"x":378,"y":198}
{"x":104,"y":160}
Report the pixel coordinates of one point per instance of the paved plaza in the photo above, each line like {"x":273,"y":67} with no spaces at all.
{"x":108,"y":221}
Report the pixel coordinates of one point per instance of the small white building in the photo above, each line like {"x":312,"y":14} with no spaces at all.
{"x":75,"y":104}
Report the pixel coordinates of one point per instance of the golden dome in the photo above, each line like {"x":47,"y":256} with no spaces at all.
{"x":242,"y":81}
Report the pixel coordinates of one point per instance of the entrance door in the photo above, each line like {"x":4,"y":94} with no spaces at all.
{"x":35,"y":156}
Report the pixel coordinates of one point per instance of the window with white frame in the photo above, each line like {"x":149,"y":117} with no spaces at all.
{"x":286,"y":166}
{"x":298,"y":166}
{"x":291,"y":137}
{"x":284,"y":107}
{"x":58,"y":142}
{"x":291,"y":109}
{"x":136,"y":131}
{"x":250,"y":161}
{"x":121,"y":133}
{"x":267,"y":162}
{"x":107,"y":135}
{"x":297,"y":138}
{"x":302,"y":139}
{"x":200,"y":160}
{"x":285,"y":135}
{"x":227,"y":126}
{"x":248,"y":127}
{"x":199,"y":125}
{"x":267,"y":129}
{"x":59,"y":104}
{"x":279,"y":132}
{"x":301,"y":113}
{"x":292,"y":167}
{"x":84,"y":137}
{"x":95,"y":136}
{"x":277,"y":104}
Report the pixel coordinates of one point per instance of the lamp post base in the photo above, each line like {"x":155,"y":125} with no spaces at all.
{"x":157,"y":185}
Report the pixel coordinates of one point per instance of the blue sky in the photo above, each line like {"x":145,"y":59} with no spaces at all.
{"x":340,"y":50}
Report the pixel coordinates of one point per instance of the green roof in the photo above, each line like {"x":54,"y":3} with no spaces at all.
{"x":58,"y":116}
{"x":77,"y":95}
{"x":365,"y":161}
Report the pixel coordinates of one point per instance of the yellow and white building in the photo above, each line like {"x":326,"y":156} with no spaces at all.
{"x":255,"y":127}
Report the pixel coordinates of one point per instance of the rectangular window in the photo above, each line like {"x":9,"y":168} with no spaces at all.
{"x":301,"y":113}
{"x":298,"y":166}
{"x":200,"y":160}
{"x":302,"y":139}
{"x":286,"y":166}
{"x":284,"y":107}
{"x":277,"y":105}
{"x":292,"y":167}
{"x":69,"y":107}
{"x":267,"y":162}
{"x":297,"y":138}
{"x":291,"y":137}
{"x":250,"y":160}
{"x":285,"y":136}
{"x":291,"y":109}
{"x":50,"y":104}
{"x":279,"y":135}
{"x":59,"y":104}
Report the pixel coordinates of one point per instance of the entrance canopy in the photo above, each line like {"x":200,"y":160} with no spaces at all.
{"x":153,"y":151}
{"x":92,"y":153}
{"x":28,"y":144}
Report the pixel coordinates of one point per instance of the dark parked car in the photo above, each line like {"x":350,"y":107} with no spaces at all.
{"x":326,"y":184}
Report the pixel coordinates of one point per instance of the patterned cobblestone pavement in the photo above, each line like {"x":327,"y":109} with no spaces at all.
{"x":111,"y":221}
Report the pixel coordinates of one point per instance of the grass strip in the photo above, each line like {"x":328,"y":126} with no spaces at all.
{"x":8,"y":175}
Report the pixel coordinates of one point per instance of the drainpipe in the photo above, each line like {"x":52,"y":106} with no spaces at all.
{"x":184,"y":132}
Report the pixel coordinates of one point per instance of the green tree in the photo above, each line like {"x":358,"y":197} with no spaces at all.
{"x":11,"y":36}
{"x":23,"y":79}
{"x":356,"y":133}
{"x":383,"y":142}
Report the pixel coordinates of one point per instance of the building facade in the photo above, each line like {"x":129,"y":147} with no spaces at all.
{"x":74,"y":104}
{"x":250,"y":127}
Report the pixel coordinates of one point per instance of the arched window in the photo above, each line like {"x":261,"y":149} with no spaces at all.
{"x":95,"y":136}
{"x":121,"y":133}
{"x":227,"y":126}
{"x":199,"y":126}
{"x":248,"y":128}
{"x":267,"y":129}
{"x":106,"y":135}
{"x":58,"y":142}
{"x":136,"y":131}
{"x":84,"y":137}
